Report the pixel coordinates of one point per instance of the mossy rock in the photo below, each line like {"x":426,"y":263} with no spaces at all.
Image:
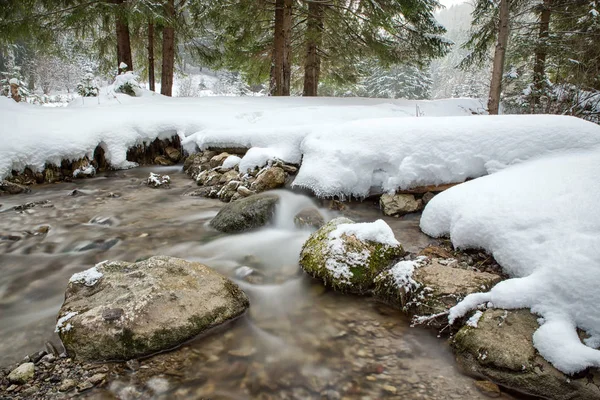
{"x":351,"y":268}
{"x":245,"y":214}
{"x":500,"y":349}
{"x":434,"y":287}
{"x":120,"y":310}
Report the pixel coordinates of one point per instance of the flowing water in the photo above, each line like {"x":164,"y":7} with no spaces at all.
{"x":298,"y":339}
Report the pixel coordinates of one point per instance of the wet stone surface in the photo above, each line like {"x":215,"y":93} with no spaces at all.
{"x":297,"y":341}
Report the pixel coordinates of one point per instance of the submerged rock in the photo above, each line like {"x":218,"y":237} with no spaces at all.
{"x":309,"y":217}
{"x":343,"y":260}
{"x":398,"y":205}
{"x":499,"y":347}
{"x":246,"y":213}
{"x":119,"y":310}
{"x":426,"y":287}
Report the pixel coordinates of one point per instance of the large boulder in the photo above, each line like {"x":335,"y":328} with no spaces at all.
{"x":427,"y":288}
{"x":498,"y":346}
{"x":348,"y":256}
{"x":246,"y":213}
{"x":119,"y":310}
{"x":398,"y":205}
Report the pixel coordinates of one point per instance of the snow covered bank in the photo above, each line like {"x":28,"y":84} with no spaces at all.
{"x":541,"y":221}
{"x":32,"y":136}
{"x":386,"y":154}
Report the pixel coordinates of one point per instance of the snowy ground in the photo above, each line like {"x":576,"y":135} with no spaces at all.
{"x":536,"y":210}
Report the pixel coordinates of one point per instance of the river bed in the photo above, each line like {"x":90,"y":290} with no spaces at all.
{"x":298,"y":340}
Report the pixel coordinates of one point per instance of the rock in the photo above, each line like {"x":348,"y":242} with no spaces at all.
{"x":488,"y":388}
{"x":217,"y":161}
{"x":434,"y":289}
{"x":7,"y":187}
{"x":208,"y":178}
{"x":51,"y":349}
{"x":162,"y":160}
{"x":22,"y":374}
{"x":389,"y":389}
{"x":173,"y":154}
{"x":119,"y":310}
{"x":398,"y":205}
{"x":346,"y":264}
{"x":157,"y":180}
{"x":310,"y":217}
{"x":501,"y":349}
{"x":244,"y":214}
{"x":229,"y":176}
{"x":67,"y":385}
{"x":427,"y":197}
{"x":271,"y":178}
{"x":202,"y":192}
{"x":96,"y":378}
{"x":435,"y":252}
{"x":244,"y":191}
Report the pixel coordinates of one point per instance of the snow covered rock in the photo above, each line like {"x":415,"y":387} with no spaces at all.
{"x":22,"y":373}
{"x":540,"y":221}
{"x":398,"y":205}
{"x":119,"y":310}
{"x":245,"y":214}
{"x":157,"y":180}
{"x":218,"y":160}
{"x":500,"y":348}
{"x":427,"y":288}
{"x":347,"y":256}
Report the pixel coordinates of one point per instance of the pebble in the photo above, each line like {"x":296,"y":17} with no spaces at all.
{"x":488,"y":388}
{"x":67,"y":385}
{"x":389,"y":389}
{"x":96,"y":378}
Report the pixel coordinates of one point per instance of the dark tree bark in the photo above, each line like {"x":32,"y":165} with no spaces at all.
{"x":123,"y":41}
{"x":499,"y":55}
{"x":281,"y":67}
{"x":312,"y":62}
{"x":168,"y":51}
{"x":151,"y":56}
{"x":539,"y":68}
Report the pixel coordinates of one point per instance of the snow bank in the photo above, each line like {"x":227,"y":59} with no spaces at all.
{"x":541,"y":221}
{"x":32,"y":136}
{"x":359,"y":157}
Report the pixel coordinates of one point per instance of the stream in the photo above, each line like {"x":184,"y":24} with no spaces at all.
{"x":298,"y":340}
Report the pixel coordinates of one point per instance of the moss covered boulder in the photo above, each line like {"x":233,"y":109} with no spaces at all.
{"x":426,"y":288}
{"x":245,"y":214}
{"x":498,"y":345}
{"x":119,"y":310}
{"x":347,"y":256}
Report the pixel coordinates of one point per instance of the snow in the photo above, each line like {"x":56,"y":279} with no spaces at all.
{"x":89,"y":277}
{"x":89,"y":170}
{"x":540,"y":221}
{"x":13,"y":81}
{"x":117,"y":122}
{"x":157,"y":180}
{"x":231,"y":162}
{"x":378,"y":232}
{"x":60,"y":324}
{"x":361,"y":157}
{"x":402,"y":273}
{"x":474,"y":320}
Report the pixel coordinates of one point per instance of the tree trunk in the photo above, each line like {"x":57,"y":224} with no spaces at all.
{"x":123,"y":42}
{"x":312,"y":63}
{"x":151,"y":56}
{"x":499,"y":55}
{"x":168,"y":51}
{"x":541,"y":51}
{"x":281,"y":68}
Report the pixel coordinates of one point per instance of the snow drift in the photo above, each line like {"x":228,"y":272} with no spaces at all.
{"x":385,"y":154}
{"x":541,"y":221}
{"x":32,"y":136}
